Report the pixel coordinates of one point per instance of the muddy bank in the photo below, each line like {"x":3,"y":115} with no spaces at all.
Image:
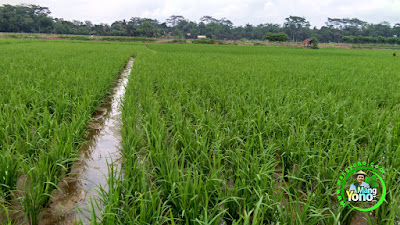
{"x":102,"y":146}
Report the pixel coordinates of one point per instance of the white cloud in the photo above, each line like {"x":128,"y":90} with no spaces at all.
{"x":239,"y":12}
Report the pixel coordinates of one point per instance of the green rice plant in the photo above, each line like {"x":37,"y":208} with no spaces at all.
{"x":253,"y":135}
{"x":10,"y":168}
{"x":49,"y":92}
{"x":22,"y":35}
{"x":204,"y":41}
{"x":127,"y":39}
{"x":75,"y":37}
{"x":211,"y":134}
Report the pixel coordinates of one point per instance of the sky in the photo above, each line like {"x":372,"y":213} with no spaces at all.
{"x":240,"y":12}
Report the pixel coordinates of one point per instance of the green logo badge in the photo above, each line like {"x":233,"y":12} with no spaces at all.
{"x":361,"y":186}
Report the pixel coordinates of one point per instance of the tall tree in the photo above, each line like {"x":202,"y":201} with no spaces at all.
{"x":173,"y":20}
{"x":396,"y":30}
{"x":208,"y":19}
{"x":296,"y":27}
{"x":34,"y":18}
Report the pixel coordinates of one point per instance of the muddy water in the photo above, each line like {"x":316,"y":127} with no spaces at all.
{"x":103,"y":144}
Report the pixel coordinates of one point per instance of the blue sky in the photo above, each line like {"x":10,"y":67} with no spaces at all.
{"x":239,"y":12}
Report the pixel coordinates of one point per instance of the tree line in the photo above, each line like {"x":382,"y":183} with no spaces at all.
{"x":37,"y":19}
{"x":371,"y":40}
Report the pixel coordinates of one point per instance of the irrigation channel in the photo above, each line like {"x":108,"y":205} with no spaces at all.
{"x":102,"y":146}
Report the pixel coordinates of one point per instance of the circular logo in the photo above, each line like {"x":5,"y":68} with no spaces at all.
{"x":366,"y":190}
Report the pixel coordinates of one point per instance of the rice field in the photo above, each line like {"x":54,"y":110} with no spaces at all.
{"x":253,"y":135}
{"x":49,"y":91}
{"x":211,"y":134}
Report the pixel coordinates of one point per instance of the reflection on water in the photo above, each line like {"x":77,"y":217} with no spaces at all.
{"x":103,"y":143}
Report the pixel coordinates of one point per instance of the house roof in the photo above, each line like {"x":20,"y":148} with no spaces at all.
{"x":306,"y":41}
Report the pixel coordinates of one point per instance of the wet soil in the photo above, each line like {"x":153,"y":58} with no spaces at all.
{"x":102,"y":146}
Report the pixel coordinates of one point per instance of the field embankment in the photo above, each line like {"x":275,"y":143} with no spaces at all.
{"x":393,"y":47}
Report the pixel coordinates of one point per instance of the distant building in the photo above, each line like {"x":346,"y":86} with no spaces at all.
{"x":170,"y":36}
{"x":201,"y":36}
{"x":307,"y":42}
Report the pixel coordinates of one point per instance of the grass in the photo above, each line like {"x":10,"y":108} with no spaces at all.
{"x":377,"y":46}
{"x":49,"y":91}
{"x":21,"y":35}
{"x":361,"y":46}
{"x":212,"y":134}
{"x":127,"y":39}
{"x":204,"y":41}
{"x":253,"y":135}
{"x":75,"y":37}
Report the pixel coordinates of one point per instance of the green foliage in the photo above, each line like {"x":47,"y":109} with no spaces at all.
{"x":204,"y":41}
{"x":21,"y":35}
{"x":179,"y":41}
{"x":37,"y":19}
{"x":245,"y":135}
{"x":228,"y":134}
{"x":9,"y":168}
{"x":49,"y":91}
{"x":25,"y":18}
{"x":177,"y":34}
{"x":370,"y":40}
{"x":314,"y":43}
{"x":127,"y":39}
{"x":372,"y":181}
{"x":74,"y":37}
{"x":279,"y":37}
{"x":297,"y":27}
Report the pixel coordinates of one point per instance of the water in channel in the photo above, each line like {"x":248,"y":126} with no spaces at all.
{"x":103,"y":146}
